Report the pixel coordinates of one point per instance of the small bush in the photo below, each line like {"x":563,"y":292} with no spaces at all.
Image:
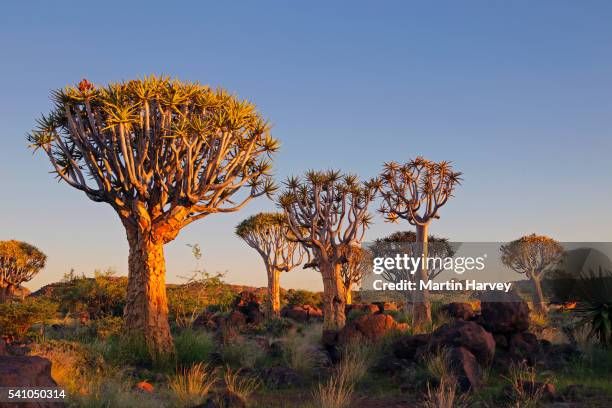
{"x":108,"y":326}
{"x":18,"y":317}
{"x":191,"y":385}
{"x":438,"y":365}
{"x":243,"y":353}
{"x":299,"y":297}
{"x":298,"y":349}
{"x":193,"y":346}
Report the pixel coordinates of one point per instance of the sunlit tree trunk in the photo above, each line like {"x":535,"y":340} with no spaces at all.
{"x":6,"y":292}
{"x":334,"y":297}
{"x":538,"y":298}
{"x":146,"y":309}
{"x":273,"y":293}
{"x":349,"y":294}
{"x":421,"y":308}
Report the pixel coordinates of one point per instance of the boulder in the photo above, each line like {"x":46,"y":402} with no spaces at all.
{"x":469,"y":335}
{"x":524,"y":346}
{"x":466,"y":368}
{"x":406,"y":347}
{"x":237,"y":319}
{"x":459,"y":310}
{"x":369,"y":327}
{"x":282,"y":377}
{"x":368,"y":308}
{"x":224,"y":399}
{"x":509,"y":314}
{"x":3,"y":351}
{"x":387,"y":306}
{"x":28,"y":371}
{"x":302,"y":314}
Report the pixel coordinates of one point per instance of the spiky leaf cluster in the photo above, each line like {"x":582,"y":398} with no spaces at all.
{"x":416,"y":190}
{"x":19,"y":262}
{"x":328,"y":211}
{"x":165,"y":146}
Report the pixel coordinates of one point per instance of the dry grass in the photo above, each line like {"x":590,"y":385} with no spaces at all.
{"x":338,"y":391}
{"x":438,"y":364}
{"x":191,"y":385}
{"x":242,"y":386}
{"x":444,"y":395}
{"x":298,"y":349}
{"x":519,"y":376}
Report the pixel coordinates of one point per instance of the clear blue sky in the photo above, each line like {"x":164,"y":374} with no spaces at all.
{"x":517,"y":94}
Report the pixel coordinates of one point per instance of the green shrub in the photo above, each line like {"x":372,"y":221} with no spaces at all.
{"x":355,"y":314}
{"x":243,"y":353}
{"x":193,"y":346}
{"x":18,"y":317}
{"x":298,"y":297}
{"x":102,"y":295}
{"x":107,"y":327}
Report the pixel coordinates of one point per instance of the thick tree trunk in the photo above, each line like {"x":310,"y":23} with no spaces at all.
{"x":421,"y":307}
{"x":334,"y":297}
{"x":7,"y":291}
{"x":273,"y":308}
{"x":538,"y":298}
{"x":349,"y":294}
{"x":146,"y":309}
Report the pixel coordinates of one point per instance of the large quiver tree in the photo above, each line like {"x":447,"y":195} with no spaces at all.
{"x":533,"y":255}
{"x":328,"y":213}
{"x":163,"y":154}
{"x":415,"y":191}
{"x":269,"y":235}
{"x":19,"y":262}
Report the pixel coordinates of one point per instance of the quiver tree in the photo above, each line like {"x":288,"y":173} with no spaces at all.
{"x":406,"y":242}
{"x":357,"y":266}
{"x":269,"y":235}
{"x":19,"y":262}
{"x":163,"y":154}
{"x":328,"y":213}
{"x":533,"y":255}
{"x":415,"y":191}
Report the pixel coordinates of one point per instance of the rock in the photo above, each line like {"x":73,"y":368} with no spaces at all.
{"x":524,"y":346}
{"x":17,"y":350}
{"x":459,"y":310}
{"x":501,"y":341}
{"x":387,"y":306}
{"x":508,"y":315}
{"x":369,"y":327}
{"x":3,"y":351}
{"x":145,"y":386}
{"x":237,"y":319}
{"x":255,"y":317}
{"x":329,"y":341}
{"x":406,"y":347}
{"x":302,"y":314}
{"x":369,"y":308}
{"x":28,"y":371}
{"x":464,"y":334}
{"x":466,"y":368}
{"x":246,"y":301}
{"x":282,"y":377}
{"x":225,"y":399}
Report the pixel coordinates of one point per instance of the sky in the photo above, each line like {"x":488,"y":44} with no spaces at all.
{"x":518,"y":95}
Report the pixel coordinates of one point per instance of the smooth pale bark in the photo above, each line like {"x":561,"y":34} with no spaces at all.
{"x":334,"y":297}
{"x":146,"y":309}
{"x":538,"y":298}
{"x":421,"y":307}
{"x":273,"y":308}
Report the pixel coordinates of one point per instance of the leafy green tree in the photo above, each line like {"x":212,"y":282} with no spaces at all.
{"x":19,"y":262}
{"x":269,"y":235}
{"x":163,"y":154}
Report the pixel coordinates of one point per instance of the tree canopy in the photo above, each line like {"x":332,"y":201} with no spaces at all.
{"x":158,"y":150}
{"x":19,"y":262}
